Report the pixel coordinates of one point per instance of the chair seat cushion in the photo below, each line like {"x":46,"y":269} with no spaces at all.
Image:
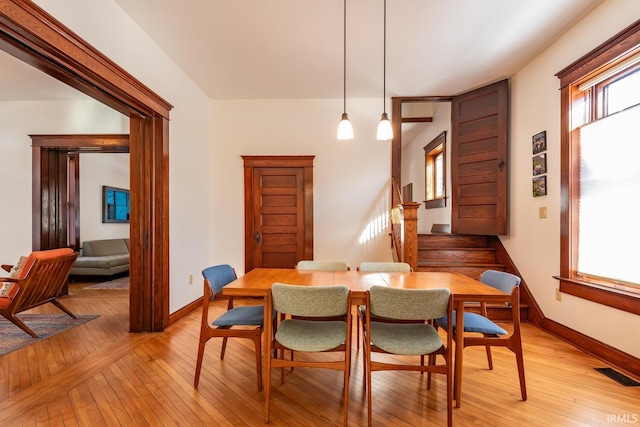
{"x":405,"y":338}
{"x":475,"y":323}
{"x":238,"y":316}
{"x":311,"y":335}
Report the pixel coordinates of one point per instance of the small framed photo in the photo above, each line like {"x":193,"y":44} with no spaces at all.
{"x":539,"y":164}
{"x":539,"y":143}
{"x":540,"y":186}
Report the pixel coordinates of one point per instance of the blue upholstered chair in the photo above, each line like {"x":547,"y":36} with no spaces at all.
{"x":305,"y":330}
{"x":400,"y":334}
{"x":493,"y":334}
{"x":251,"y":319}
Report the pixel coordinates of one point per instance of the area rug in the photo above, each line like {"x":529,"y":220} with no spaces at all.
{"x":120,"y":283}
{"x":44,"y":325}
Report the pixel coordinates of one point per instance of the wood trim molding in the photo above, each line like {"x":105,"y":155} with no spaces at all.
{"x":185,"y":311}
{"x":619,"y":359}
{"x":31,"y":34}
{"x":37,"y":38}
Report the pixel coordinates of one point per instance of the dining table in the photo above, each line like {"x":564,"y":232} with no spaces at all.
{"x":257,"y":284}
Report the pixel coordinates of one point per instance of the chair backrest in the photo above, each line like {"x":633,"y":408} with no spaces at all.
{"x":408,"y":304}
{"x":218,"y":276}
{"x":402,"y":267}
{"x":500,"y":280}
{"x":322,"y":265}
{"x":310,"y":301}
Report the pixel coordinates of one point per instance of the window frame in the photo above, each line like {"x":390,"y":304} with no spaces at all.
{"x":614,"y":50}
{"x":432,"y":150}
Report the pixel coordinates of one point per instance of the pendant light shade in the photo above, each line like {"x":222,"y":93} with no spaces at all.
{"x":345,"y":130}
{"x":385,"y":132}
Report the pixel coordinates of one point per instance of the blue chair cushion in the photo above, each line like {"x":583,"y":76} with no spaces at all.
{"x":249,"y":315}
{"x":474,"y":323}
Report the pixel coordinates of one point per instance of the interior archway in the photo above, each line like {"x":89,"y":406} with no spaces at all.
{"x":37,"y":38}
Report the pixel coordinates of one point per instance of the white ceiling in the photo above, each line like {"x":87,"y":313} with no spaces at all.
{"x":254,"y":49}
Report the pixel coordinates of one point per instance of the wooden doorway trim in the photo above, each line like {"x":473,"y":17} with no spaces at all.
{"x":37,"y":38}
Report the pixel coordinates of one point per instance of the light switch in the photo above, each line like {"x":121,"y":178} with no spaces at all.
{"x":542,"y":212}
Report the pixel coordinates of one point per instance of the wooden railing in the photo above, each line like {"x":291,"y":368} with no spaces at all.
{"x":404,"y":228}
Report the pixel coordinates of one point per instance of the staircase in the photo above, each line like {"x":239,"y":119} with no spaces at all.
{"x":468,"y":255}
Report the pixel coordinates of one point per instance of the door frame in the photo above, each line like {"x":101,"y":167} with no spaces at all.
{"x":37,"y":38}
{"x":252,"y":162}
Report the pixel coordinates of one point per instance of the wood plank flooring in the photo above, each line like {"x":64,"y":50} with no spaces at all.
{"x":98,"y":374}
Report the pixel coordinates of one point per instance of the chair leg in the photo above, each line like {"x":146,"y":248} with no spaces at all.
{"x":520,"y":362}
{"x":63,"y":308}
{"x":196,"y":380}
{"x":13,"y":319}
{"x":257,"y":340}
{"x":489,"y":358}
{"x":224,"y":347}
{"x":431,"y":361}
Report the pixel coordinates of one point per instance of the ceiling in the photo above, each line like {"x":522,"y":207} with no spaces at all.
{"x":257,"y":49}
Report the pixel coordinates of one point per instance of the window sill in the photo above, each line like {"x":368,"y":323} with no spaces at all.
{"x":617,"y":298}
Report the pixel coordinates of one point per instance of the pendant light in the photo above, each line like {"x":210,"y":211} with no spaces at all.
{"x":345,"y":130}
{"x":385,"y":132}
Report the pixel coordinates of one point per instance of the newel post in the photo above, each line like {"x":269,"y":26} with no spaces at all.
{"x":410,"y":233}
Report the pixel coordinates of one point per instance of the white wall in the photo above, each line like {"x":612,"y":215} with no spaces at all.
{"x":97,"y":170}
{"x":105,"y":25}
{"x":351,"y":178}
{"x":533,"y":243}
{"x":17,"y":121}
{"x":413,"y":163}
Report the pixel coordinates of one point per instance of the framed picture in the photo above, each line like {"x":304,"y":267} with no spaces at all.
{"x":539,"y":143}
{"x":115,"y":204}
{"x":539,"y":186}
{"x":539,"y":164}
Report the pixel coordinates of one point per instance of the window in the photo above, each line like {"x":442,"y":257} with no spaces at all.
{"x":601,"y":174}
{"x":435,"y":163}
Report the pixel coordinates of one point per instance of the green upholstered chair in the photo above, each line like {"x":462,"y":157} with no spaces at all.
{"x":395,"y":336}
{"x":401,"y":267}
{"x":322,"y":265}
{"x":380,"y":266}
{"x":492,"y":334}
{"x":249,"y":318}
{"x":304,"y":330}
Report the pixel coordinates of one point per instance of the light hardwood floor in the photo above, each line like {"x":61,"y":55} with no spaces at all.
{"x":97,"y":374}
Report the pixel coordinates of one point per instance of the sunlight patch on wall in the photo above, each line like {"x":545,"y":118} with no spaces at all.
{"x":376,"y":227}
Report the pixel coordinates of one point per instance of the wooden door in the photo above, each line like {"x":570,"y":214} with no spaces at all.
{"x":479,"y":160}
{"x":278,"y":211}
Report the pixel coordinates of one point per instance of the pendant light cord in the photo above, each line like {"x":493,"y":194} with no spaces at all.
{"x":384,"y":60}
{"x":344,"y":60}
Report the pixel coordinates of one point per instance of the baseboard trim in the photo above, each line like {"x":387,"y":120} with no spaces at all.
{"x":618,"y":359}
{"x":185,"y":311}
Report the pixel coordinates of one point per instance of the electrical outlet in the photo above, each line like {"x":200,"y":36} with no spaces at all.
{"x":542,"y":212}
{"x":558,"y":295}
{"x":191,"y":279}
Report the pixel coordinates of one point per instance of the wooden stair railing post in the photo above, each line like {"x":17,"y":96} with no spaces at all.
{"x":410,"y":234}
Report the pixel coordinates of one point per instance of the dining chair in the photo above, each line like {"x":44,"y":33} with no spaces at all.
{"x":492,"y":334}
{"x":401,"y":267}
{"x":250,"y":319}
{"x":300,"y":334}
{"x":377,"y":266}
{"x":396,"y":336}
{"x":322,"y":265}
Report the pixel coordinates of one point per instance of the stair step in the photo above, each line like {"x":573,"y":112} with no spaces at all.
{"x":472,"y":270}
{"x":451,"y":241}
{"x":450,"y":255}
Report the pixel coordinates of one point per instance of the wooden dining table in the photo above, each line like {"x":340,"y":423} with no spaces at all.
{"x":257,"y":284}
